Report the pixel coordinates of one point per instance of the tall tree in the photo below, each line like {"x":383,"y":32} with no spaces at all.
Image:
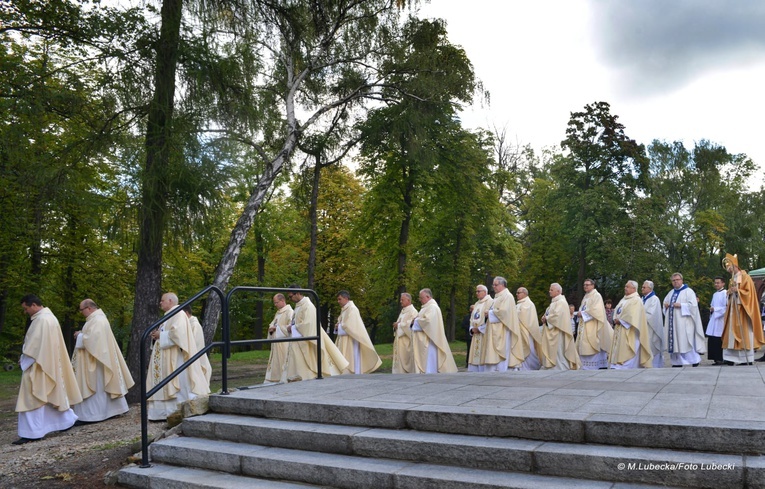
{"x":316,"y":59}
{"x":602,"y":168}
{"x":401,"y":146}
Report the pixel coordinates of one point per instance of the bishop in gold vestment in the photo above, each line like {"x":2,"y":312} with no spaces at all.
{"x":742,"y":332}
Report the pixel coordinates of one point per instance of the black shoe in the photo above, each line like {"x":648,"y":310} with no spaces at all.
{"x":695,"y":364}
{"x":718,"y":362}
{"x":729,"y":363}
{"x":80,"y":423}
{"x":761,"y":359}
{"x":22,"y":441}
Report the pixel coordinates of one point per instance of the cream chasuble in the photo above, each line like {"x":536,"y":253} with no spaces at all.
{"x":301,"y":362}
{"x":403,"y":362}
{"x":558,"y":350}
{"x":175,"y":346}
{"x":427,"y":330}
{"x":595,"y":333}
{"x":199,"y":339}
{"x":529,"y":334}
{"x":276,"y":371}
{"x":102,"y":374}
{"x":478,"y":319}
{"x":654,"y":315}
{"x":50,"y":379}
{"x":48,"y":386}
{"x":631,"y":334}
{"x":354,"y":343}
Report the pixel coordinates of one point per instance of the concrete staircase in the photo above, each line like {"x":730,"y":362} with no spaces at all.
{"x":260,"y":438}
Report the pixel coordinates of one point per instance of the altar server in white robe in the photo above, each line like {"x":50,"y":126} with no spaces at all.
{"x":595,"y":332}
{"x":277,"y":360}
{"x":717,"y":322}
{"x":631,"y":346}
{"x":655,"y":318}
{"x":403,"y":361}
{"x":174,"y":344}
{"x":99,"y":367}
{"x":478,"y":323}
{"x":353,"y":339}
{"x":683,"y":331}
{"x":48,"y":387}
{"x":431,"y":350}
{"x":530,"y":334}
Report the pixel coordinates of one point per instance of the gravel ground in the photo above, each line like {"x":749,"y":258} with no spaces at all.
{"x":79,"y":457}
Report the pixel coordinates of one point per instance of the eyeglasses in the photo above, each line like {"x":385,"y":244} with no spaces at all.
{"x":83,"y":308}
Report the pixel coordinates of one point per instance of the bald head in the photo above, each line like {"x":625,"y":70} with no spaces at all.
{"x":169,"y":300}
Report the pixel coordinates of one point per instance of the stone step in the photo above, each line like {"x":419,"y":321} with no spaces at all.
{"x":171,"y":477}
{"x":704,"y":435}
{"x":348,"y":472}
{"x":586,"y":461}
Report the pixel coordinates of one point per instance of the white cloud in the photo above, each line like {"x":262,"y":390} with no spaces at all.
{"x":672,"y":70}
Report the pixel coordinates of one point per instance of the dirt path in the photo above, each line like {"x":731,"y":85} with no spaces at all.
{"x":83,"y":455}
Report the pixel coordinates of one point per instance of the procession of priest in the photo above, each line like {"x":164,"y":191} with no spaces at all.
{"x":507,"y":333}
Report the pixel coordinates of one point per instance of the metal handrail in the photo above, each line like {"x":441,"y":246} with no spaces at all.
{"x":227,"y":336}
{"x":144,"y":368}
{"x":225,"y":345}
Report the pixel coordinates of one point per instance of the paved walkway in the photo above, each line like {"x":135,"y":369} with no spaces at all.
{"x":708,"y":393}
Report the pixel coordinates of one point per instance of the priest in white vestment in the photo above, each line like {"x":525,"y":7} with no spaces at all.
{"x":557,"y":350}
{"x":48,"y":387}
{"x":655,"y":318}
{"x":530,"y":334}
{"x":632,"y":335}
{"x":301,"y":356}
{"x":199,"y":339}
{"x":99,"y":367}
{"x":716,"y":322}
{"x":502,"y":349}
{"x":478,"y":322}
{"x":595,"y":332}
{"x":174,"y":344}
{"x":403,"y":361}
{"x":431,"y":350}
{"x":277,"y":329}
{"x":683,"y":331}
{"x":353,"y":338}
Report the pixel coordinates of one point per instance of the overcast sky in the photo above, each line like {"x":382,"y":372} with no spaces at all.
{"x":671,"y":69}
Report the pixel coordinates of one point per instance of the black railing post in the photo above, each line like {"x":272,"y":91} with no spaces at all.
{"x":318,"y":336}
{"x":226,"y":346}
{"x":144,"y":414}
